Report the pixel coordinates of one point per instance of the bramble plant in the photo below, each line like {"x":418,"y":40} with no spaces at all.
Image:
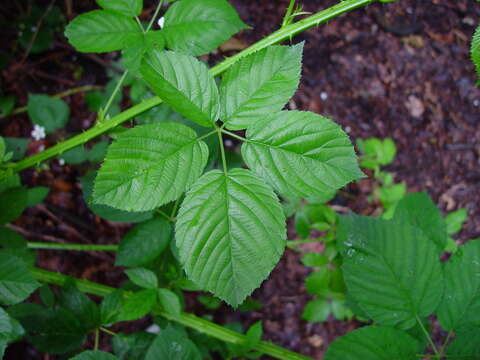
{"x":206,"y":223}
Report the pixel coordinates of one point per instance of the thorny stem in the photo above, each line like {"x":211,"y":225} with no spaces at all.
{"x":186,"y":319}
{"x":427,"y":335}
{"x":222,"y":150}
{"x":288,"y":14}
{"x":71,"y":247}
{"x":278,"y":36}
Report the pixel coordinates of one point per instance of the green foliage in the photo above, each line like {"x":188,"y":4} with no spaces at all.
{"x":17,"y":146}
{"x":6,"y":105}
{"x":377,"y":152}
{"x":465,"y":346}
{"x":300,"y":154}
{"x":259,"y":84}
{"x":172,"y":344}
{"x":197,"y":27}
{"x":47,"y":112}
{"x":184,"y":83}
{"x":94,"y":355}
{"x":475,"y":52}
{"x":137,"y":305}
{"x":16,"y":282}
{"x":17,"y":199}
{"x":223,"y":217}
{"x":169,"y":301}
{"x":143,"y":277}
{"x":130,"y":8}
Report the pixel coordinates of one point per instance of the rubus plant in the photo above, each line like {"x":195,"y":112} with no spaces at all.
{"x":203,"y":224}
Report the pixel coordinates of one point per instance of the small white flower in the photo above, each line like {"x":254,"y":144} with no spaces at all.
{"x":38,"y":132}
{"x":61,"y":162}
{"x":228,"y":143}
{"x":323,"y":95}
{"x":476,"y":102}
{"x":153,"y":329}
{"x":161,"y":22}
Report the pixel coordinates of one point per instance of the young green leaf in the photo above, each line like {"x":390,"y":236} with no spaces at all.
{"x":197,"y":27}
{"x":460,"y":306}
{"x":150,"y":165}
{"x":129,"y":8}
{"x":18,"y":146}
{"x":111,"y":307}
{"x":100,"y":31}
{"x":259,"y":84}
{"x":80,"y":305}
{"x":143,"y":277}
{"x":419,"y":210}
{"x":314,"y":259}
{"x":94,"y":355}
{"x":138,"y":305}
{"x":184,"y":83}
{"x":36,"y":195}
{"x":16,"y":282}
{"x":50,"y":113}
{"x":455,"y":221}
{"x":172,"y":344}
{"x":475,"y":52}
{"x":144,"y":243}
{"x":300,"y":153}
{"x":374,"y":343}
{"x":230,"y":233}
{"x":398,"y":264}
{"x":466,"y":345}
{"x":169,"y":301}
{"x":16,"y":198}
{"x":317,"y":282}
{"x":253,"y":336}
{"x":317,"y":310}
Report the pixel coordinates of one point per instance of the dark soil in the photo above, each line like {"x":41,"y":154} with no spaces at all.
{"x":398,"y":70}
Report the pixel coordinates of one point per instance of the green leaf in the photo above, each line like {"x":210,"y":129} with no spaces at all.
{"x":75,"y":156}
{"x":5,"y":325}
{"x":94,"y":355}
{"x":36,"y":195}
{"x":7,"y":104}
{"x":129,"y":8}
{"x":16,"y":145}
{"x":48,"y":112}
{"x":11,"y":239}
{"x":317,"y":282}
{"x":259,"y":84}
{"x":461,"y":302}
{"x":100,"y":31}
{"x":144,"y":243}
{"x":419,"y":210}
{"x":16,"y":281}
{"x":230,"y":233}
{"x":316,"y":310}
{"x":98,"y":151}
{"x":143,"y":277}
{"x":198,"y":27}
{"x":210,"y":302}
{"x":150,"y":165}
{"x":47,"y":295}
{"x":378,"y":152}
{"x":390,"y":195}
{"x":398,"y":264}
{"x":455,"y":221}
{"x":10,"y":182}
{"x":169,"y":301}
{"x":79,"y":304}
{"x":301,"y":153}
{"x":137,"y":45}
{"x":107,"y":212}
{"x":374,"y":343}
{"x":466,"y":345}
{"x":314,"y":259}
{"x":16,"y":198}
{"x":3,"y":147}
{"x":184,"y":83}
{"x":138,"y":305}
{"x":172,"y":344}
{"x":253,"y":336}
{"x":111,"y":307}
{"x":133,"y":346}
{"x":475,"y":51}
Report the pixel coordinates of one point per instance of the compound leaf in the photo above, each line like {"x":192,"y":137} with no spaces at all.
{"x":198,"y":27}
{"x":16,"y":282}
{"x":461,"y":302}
{"x":419,"y":210}
{"x":100,"y":31}
{"x":466,"y":345}
{"x":130,"y":8}
{"x":150,"y":165}
{"x":391,"y":270}
{"x":45,"y":111}
{"x":300,"y":153}
{"x":259,"y":84}
{"x":374,"y":343}
{"x":184,"y":83}
{"x":94,"y":355}
{"x":172,"y":344}
{"x":230,"y":233}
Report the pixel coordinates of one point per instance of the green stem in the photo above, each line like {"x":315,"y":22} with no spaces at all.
{"x":85,"y":88}
{"x":445,"y":343}
{"x":222,"y":150}
{"x":115,"y":92}
{"x":427,"y":335}
{"x":238,"y":137}
{"x":288,"y":14}
{"x":71,"y":247}
{"x":155,"y":14}
{"x":165,"y":215}
{"x":97,"y":340}
{"x":188,"y":320}
{"x":274,"y":38}
{"x":175,"y":208}
{"x":140,"y":24}
{"x":106,"y":331}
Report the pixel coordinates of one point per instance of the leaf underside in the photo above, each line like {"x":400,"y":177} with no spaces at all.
{"x":150,"y":165}
{"x":230,"y":233}
{"x":301,"y":154}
